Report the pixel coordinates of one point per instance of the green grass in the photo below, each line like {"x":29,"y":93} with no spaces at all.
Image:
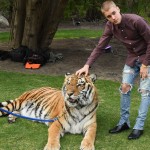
{"x":4,"y":36}
{"x":63,"y":34}
{"x":77,"y":33}
{"x":28,"y":135}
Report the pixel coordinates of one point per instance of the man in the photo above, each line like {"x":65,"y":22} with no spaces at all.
{"x":133,"y":31}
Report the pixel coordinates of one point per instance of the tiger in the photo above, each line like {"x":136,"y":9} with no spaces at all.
{"x":74,"y":105}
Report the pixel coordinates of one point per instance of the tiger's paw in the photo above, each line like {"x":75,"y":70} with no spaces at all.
{"x":52,"y":147}
{"x":11,"y":119}
{"x":86,"y":145}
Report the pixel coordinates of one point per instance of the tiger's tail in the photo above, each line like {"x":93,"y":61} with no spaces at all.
{"x":11,"y":106}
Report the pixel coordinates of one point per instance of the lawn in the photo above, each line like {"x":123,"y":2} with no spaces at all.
{"x":77,"y":33}
{"x":4,"y":36}
{"x":28,"y":135}
{"x":64,"y":34}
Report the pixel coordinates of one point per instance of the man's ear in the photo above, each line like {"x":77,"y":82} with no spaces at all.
{"x":93,"y":77}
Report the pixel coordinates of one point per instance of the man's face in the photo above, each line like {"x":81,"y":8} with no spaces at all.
{"x":113,"y":15}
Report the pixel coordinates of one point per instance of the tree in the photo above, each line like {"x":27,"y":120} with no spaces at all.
{"x":34,"y":22}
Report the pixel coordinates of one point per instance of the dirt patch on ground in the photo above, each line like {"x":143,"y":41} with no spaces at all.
{"x":75,"y":53}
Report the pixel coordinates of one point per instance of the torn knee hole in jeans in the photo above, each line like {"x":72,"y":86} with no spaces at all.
{"x":144,"y":92}
{"x":127,"y":86}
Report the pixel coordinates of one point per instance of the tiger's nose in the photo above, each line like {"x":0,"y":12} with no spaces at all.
{"x":70,"y":93}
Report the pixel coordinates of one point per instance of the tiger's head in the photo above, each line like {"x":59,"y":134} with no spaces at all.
{"x":79,"y":91}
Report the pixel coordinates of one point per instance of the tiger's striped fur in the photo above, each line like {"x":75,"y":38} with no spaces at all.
{"x":75,"y":105}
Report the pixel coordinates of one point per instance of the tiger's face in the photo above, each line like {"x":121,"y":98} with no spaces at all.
{"x":78,"y":91}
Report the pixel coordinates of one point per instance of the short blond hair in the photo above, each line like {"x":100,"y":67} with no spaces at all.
{"x":107,"y":5}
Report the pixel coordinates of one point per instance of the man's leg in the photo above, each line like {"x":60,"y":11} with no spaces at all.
{"x":129,"y":75}
{"x":125,"y":103}
{"x":143,"y":109}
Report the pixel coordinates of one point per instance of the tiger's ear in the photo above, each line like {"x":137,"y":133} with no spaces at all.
{"x":93,"y":77}
{"x":67,"y":74}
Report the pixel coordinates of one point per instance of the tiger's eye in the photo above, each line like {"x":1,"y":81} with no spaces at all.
{"x":81,"y":86}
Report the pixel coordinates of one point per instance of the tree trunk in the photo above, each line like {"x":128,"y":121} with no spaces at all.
{"x":35,"y":22}
{"x":18,"y":22}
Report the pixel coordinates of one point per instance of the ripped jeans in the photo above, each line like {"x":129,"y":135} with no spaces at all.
{"x":129,"y":75}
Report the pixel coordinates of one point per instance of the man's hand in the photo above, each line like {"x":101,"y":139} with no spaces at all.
{"x":143,"y":72}
{"x":85,"y":70}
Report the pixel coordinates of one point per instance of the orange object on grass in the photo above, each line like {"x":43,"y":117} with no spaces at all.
{"x":32,"y":66}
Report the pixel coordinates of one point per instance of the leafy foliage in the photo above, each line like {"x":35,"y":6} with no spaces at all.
{"x":5,"y":6}
{"x":81,"y":7}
